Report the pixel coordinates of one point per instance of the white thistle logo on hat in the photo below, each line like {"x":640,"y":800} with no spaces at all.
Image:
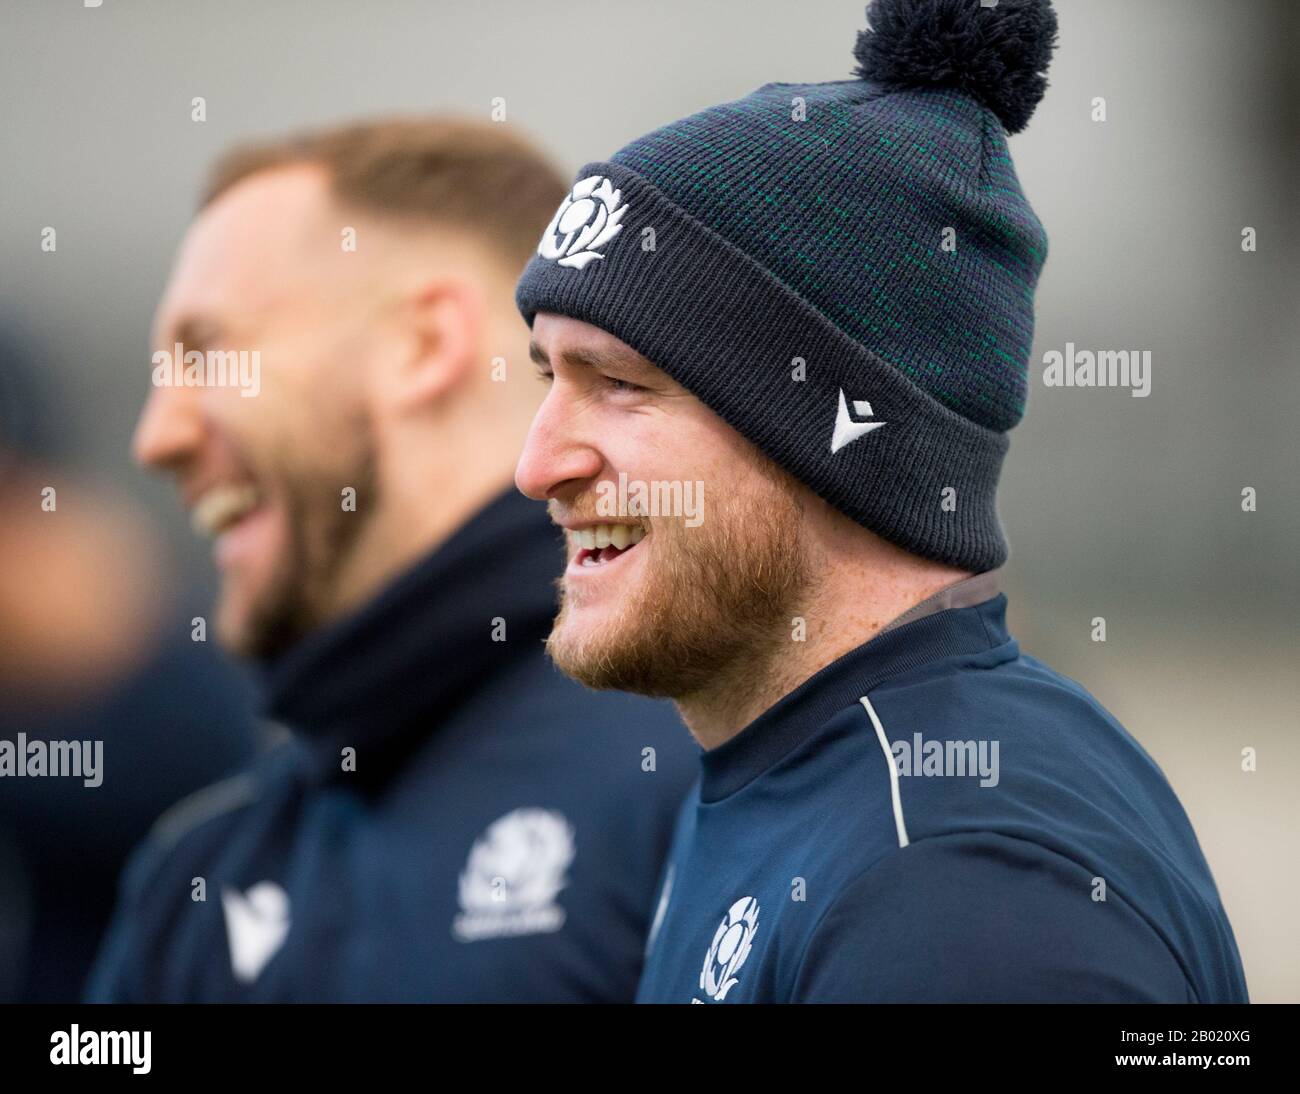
{"x":732,"y":942}
{"x":588,"y":218}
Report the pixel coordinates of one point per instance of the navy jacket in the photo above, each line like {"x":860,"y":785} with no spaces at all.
{"x":452,"y":819}
{"x":937,"y":817}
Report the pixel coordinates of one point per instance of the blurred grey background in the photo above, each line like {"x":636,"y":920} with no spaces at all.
{"x":1119,"y":507}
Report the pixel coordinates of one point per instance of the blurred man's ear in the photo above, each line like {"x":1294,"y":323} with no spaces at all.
{"x":440,"y":328}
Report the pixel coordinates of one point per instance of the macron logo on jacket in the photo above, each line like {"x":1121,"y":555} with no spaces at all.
{"x":257,"y":923}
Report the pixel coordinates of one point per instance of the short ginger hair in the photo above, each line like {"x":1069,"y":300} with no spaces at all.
{"x":479,"y":177}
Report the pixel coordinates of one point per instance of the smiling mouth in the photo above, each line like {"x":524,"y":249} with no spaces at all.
{"x":603,"y":543}
{"x":221,"y":507}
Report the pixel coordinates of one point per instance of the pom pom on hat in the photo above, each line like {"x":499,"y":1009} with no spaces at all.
{"x":997,"y":55}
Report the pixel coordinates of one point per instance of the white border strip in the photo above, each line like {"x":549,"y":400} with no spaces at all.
{"x":893,"y":772}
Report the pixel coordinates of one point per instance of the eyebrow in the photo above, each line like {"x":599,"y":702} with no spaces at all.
{"x":589,"y":358}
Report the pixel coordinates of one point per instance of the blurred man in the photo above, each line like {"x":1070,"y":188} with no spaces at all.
{"x":452,"y":819}
{"x":895,"y":803}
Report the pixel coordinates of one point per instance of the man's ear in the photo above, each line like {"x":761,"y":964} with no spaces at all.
{"x":442,"y":325}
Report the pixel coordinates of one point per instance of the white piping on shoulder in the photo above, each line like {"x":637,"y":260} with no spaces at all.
{"x":893,"y":771}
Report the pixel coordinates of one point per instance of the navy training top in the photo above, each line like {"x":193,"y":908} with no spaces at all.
{"x":937,"y":817}
{"x":451,"y":820}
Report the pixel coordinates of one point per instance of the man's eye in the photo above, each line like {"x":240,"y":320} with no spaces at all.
{"x":545,"y":377}
{"x":622,"y":385}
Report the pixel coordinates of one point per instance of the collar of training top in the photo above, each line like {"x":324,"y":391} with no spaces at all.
{"x":399,"y":665}
{"x":966,"y":618}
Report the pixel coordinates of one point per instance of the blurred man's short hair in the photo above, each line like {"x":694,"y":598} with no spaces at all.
{"x":480,"y":177}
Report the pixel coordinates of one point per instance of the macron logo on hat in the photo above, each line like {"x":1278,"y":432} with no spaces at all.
{"x":846,"y":429}
{"x":586,"y":219}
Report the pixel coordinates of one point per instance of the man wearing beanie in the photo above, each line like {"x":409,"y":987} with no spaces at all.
{"x":811,"y":310}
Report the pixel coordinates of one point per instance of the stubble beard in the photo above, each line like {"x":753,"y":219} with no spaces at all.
{"x":715,"y":605}
{"x":321,"y":536}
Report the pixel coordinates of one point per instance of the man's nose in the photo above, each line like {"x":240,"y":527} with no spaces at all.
{"x":556,"y":458}
{"x":169,"y":429}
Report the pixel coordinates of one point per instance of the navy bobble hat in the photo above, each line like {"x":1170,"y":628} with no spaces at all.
{"x":844,"y":272}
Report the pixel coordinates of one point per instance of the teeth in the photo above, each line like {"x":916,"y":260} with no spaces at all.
{"x":221,"y":506}
{"x":598,"y":536}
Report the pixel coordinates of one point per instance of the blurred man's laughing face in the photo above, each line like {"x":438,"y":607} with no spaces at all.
{"x":684,"y":550}
{"x":263,"y":474}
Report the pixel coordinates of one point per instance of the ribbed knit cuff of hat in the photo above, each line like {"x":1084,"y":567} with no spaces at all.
{"x":727,"y":330}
